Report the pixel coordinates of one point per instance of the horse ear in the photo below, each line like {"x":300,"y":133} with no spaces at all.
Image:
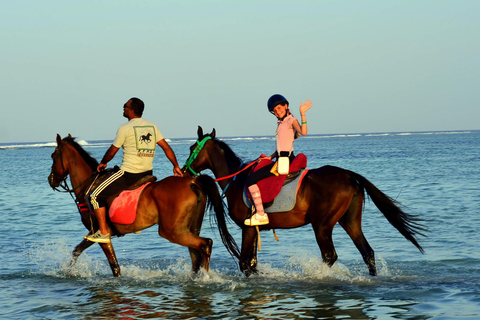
{"x":200,"y":132}
{"x":69,"y":136}
{"x":59,"y":139}
{"x":213,"y":133}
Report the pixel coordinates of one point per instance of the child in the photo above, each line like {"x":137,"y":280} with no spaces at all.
{"x":287,"y":131}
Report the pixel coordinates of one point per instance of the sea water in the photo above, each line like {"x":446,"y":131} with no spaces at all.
{"x":435,"y":175}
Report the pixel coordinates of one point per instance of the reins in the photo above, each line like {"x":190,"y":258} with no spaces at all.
{"x":236,"y":173}
{"x":194,"y":155}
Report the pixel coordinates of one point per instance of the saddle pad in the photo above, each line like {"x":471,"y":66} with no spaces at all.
{"x":286,"y":199}
{"x":123,"y":209}
{"x":271,"y":186}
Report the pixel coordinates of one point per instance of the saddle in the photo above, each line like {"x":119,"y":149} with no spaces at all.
{"x":271,"y":187}
{"x":122,"y":207}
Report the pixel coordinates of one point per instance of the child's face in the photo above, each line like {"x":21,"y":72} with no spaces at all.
{"x":280,"y":110}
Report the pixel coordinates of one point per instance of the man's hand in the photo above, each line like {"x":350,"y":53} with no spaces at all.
{"x":101,"y":167}
{"x":177,"y":172}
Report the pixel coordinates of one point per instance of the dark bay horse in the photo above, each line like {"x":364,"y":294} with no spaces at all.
{"x":176,"y":204}
{"x":326,"y":196}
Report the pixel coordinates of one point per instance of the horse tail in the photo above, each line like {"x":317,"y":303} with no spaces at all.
{"x":407,"y":224}
{"x":209,"y":187}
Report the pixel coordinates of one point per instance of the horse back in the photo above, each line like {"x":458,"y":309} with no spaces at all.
{"x":327,"y":183}
{"x":171,"y":194}
{"x":163,"y":202}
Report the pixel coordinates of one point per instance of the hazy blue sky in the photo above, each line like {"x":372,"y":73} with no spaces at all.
{"x":368,"y":66}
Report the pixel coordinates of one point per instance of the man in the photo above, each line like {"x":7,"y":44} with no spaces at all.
{"x":138,"y":138}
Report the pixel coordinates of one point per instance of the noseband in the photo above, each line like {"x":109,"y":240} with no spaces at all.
{"x":194,"y":155}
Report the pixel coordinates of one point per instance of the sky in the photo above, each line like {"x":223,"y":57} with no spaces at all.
{"x":367,"y":66}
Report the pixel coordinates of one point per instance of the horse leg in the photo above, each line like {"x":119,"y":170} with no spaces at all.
{"x":82,"y":246}
{"x":323,"y":234}
{"x":352,"y":224}
{"x":112,"y":258}
{"x":248,"y":255}
{"x":200,"y":248}
{"x":206,"y":250}
{"x":197,"y":259}
{"x":201,"y":258}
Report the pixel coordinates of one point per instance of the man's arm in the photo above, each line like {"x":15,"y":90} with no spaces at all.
{"x":171,"y":156}
{"x":111,"y":152}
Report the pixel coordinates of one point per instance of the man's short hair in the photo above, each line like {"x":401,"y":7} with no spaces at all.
{"x":137,"y":106}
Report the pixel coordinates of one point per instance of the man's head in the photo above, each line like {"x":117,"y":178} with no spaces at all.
{"x":136,"y":106}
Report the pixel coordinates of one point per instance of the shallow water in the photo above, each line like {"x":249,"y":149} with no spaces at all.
{"x":435,"y":175}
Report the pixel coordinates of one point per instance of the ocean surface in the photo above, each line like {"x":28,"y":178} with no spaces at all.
{"x":435,"y":175}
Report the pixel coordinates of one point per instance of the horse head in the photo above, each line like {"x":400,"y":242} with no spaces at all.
{"x":69,"y":158}
{"x":59,"y":171}
{"x":198,"y":160}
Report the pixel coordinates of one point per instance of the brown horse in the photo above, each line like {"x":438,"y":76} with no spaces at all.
{"x":176,"y":204}
{"x":327,"y":195}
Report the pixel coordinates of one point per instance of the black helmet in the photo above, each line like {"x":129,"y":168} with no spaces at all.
{"x":275,"y":100}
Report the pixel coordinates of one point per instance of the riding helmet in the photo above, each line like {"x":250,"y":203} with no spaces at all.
{"x":275,"y":100}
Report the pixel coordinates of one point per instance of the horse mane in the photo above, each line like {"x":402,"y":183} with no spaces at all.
{"x":231,"y":157}
{"x":92,"y":162}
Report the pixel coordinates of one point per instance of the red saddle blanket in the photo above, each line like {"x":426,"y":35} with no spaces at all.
{"x":123,"y":209}
{"x":271,"y":186}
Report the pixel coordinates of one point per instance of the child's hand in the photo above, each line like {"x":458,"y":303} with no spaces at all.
{"x":305,"y":106}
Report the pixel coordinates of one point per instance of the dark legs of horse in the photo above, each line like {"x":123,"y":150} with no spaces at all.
{"x":325,"y":242}
{"x":200,"y":248}
{"x":107,"y":249}
{"x":201,"y":258}
{"x":112,"y":258}
{"x":248,"y":255}
{"x":201,"y":255}
{"x":352,"y":223}
{"x":367,"y":254}
{"x":79,"y":249}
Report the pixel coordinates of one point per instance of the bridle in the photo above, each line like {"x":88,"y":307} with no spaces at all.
{"x":194,"y":155}
{"x":63,"y":180}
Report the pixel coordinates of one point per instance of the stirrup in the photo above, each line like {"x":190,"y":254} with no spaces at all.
{"x":257,"y":220}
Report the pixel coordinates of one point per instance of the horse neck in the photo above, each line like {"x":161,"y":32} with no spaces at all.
{"x":224,"y":163}
{"x":78,"y":168}
{"x":221,"y":166}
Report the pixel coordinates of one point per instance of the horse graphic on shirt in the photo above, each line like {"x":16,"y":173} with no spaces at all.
{"x":145,"y":138}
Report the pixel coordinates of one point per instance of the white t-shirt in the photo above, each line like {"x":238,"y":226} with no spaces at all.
{"x":138,"y":138}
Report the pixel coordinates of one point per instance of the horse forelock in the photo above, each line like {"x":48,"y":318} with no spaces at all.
{"x":92,"y":162}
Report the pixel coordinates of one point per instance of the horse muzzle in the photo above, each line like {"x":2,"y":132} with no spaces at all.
{"x":54,"y":183}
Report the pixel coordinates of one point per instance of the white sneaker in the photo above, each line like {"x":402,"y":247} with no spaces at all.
{"x":98,"y":237}
{"x":257,"y":220}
